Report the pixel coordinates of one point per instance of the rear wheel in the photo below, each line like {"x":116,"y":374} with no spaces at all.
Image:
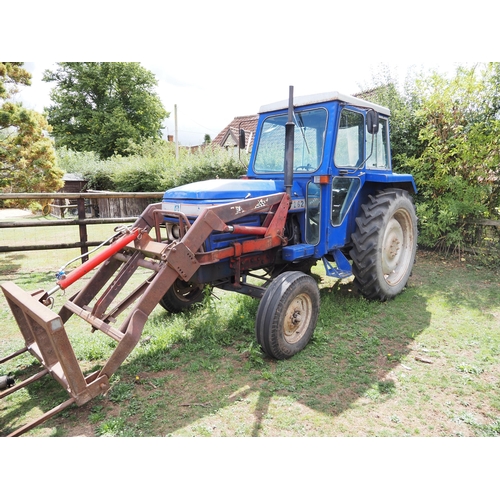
{"x":181,"y":296}
{"x":384,"y":244}
{"x":287,"y":314}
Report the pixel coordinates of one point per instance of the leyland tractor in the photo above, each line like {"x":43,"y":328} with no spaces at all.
{"x":319,"y":187}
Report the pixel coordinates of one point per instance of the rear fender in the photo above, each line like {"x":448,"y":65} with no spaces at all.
{"x":374,"y":182}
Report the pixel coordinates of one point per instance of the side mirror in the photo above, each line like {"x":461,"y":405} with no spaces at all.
{"x":372,"y":121}
{"x":241,"y":139}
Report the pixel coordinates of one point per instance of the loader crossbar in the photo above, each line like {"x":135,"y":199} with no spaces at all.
{"x":44,"y":330}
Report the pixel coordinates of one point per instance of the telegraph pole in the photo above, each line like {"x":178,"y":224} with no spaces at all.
{"x":176,"y":134}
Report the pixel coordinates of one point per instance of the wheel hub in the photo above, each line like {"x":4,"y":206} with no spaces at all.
{"x":391,"y":247}
{"x":395,"y":254}
{"x":297,"y":318}
{"x":394,"y":247}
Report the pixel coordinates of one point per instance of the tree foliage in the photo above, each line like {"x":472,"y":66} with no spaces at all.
{"x":104,"y":106}
{"x":12,"y":74}
{"x":27,"y":155}
{"x":446,"y":131}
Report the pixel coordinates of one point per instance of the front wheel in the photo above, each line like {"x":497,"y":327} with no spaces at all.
{"x":287,"y":314}
{"x":384,"y":244}
{"x":181,"y":296}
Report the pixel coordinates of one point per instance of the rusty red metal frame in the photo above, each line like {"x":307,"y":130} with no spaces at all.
{"x":44,"y":332}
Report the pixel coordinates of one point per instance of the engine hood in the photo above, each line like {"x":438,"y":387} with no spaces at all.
{"x":216,"y":191}
{"x":192,"y":199}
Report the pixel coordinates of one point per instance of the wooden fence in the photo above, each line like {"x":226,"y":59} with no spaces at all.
{"x":483,"y":235}
{"x":82,"y":221}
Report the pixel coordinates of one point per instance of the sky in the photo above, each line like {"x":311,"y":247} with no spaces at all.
{"x":207,"y":105}
{"x":220,"y":59}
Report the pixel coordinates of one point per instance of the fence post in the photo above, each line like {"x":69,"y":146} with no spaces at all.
{"x":82,"y":221}
{"x":83,"y":229}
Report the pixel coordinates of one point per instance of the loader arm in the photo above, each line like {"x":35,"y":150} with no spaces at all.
{"x":100,"y":305}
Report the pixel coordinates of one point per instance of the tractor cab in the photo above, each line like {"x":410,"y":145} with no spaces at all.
{"x":341,"y":155}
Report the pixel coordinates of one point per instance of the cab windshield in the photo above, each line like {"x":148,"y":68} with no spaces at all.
{"x":309,"y":138}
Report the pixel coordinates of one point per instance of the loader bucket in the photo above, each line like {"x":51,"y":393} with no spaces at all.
{"x":44,"y":332}
{"x":46,"y":339}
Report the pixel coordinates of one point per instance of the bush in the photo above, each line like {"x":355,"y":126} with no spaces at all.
{"x":446,"y":132}
{"x":152,"y":167}
{"x":210,"y":163}
{"x":87,"y":164}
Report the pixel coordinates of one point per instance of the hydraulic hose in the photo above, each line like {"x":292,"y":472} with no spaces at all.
{"x":86,"y":267}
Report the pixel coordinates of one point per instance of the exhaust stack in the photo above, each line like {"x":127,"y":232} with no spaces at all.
{"x":289,"y":133}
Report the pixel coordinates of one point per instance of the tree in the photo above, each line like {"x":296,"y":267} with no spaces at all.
{"x":11,"y":75}
{"x":27,"y":155}
{"x":104,"y":106}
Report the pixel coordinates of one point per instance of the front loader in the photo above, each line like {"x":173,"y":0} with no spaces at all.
{"x":43,"y":330}
{"x":319,"y":186}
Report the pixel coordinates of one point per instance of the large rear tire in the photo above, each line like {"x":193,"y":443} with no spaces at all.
{"x":181,"y":296}
{"x":384,"y":244}
{"x":287,"y":314}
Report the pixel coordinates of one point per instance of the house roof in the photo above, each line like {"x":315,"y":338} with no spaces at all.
{"x":228,"y":137}
{"x":367,"y":95}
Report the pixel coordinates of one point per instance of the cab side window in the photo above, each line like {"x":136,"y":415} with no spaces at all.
{"x":380,"y":157}
{"x":350,"y":146}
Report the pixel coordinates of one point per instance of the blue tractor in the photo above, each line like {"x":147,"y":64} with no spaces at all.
{"x":330,"y":154}
{"x":319,"y":186}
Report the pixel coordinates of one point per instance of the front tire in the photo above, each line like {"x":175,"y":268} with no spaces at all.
{"x":287,"y":314}
{"x":181,"y":296}
{"x":384,"y":244}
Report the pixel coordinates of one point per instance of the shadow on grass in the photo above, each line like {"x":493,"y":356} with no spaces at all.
{"x":459,"y":283}
{"x":357,"y":344}
{"x":9,"y":263}
{"x":473,"y":294}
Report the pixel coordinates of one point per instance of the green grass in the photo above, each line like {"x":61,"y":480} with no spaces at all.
{"x":202,"y":374}
{"x":45,"y":260}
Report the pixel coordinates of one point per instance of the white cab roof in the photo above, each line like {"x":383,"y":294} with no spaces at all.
{"x":324,"y":97}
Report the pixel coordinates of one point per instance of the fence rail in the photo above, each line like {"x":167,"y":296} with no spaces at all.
{"x":82,"y":220}
{"x":77,"y":196}
{"x":486,"y":236}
